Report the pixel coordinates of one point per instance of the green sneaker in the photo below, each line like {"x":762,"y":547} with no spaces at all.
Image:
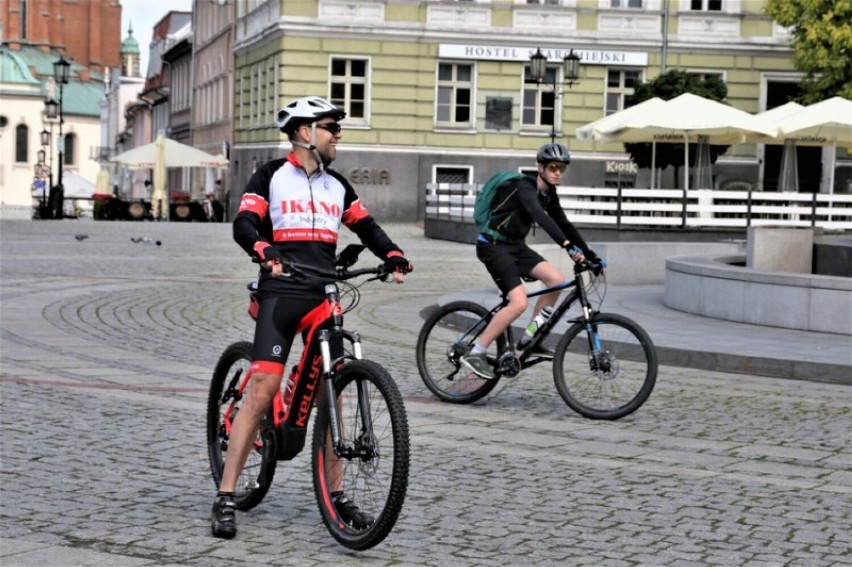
{"x":478,"y":364}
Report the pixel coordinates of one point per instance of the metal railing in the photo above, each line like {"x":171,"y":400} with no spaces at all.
{"x":632,"y":208}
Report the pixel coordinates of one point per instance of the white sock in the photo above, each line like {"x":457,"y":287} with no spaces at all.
{"x":477,"y":349}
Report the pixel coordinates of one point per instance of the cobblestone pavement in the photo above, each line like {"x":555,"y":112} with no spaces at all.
{"x":108,"y":345}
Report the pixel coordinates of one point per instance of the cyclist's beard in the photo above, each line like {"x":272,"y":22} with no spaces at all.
{"x":322,"y":157}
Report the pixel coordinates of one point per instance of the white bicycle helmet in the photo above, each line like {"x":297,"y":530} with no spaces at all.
{"x":305,"y":110}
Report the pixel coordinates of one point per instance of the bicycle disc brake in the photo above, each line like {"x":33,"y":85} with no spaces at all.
{"x":604,"y":364}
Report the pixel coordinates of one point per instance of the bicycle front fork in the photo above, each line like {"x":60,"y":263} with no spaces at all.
{"x":330,"y":368}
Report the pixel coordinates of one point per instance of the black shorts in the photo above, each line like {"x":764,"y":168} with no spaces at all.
{"x":507,"y":263}
{"x":277,"y":321}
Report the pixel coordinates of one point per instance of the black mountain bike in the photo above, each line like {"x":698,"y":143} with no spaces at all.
{"x":604,"y":366}
{"x":360,"y":434}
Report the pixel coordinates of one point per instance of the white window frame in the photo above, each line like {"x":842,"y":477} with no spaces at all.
{"x":703,"y":73}
{"x":621,"y":90}
{"x":348,"y":80}
{"x":686,"y":6}
{"x":460,"y":167}
{"x":455,"y":85}
{"x":625,"y":4}
{"x":540,"y":89}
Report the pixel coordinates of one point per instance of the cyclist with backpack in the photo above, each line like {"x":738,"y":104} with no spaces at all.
{"x":504,"y":211}
{"x":292,"y":209}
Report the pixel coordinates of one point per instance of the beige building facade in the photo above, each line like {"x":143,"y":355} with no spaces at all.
{"x":440,"y":90}
{"x":212,"y":91}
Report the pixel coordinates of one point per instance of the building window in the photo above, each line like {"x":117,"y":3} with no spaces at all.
{"x":706,"y":5}
{"x":704,"y":75}
{"x":22,"y":135}
{"x":539,"y":100}
{"x":449,"y":174}
{"x":70,"y":155}
{"x":619,"y":86}
{"x":625,"y":3}
{"x":455,"y":89}
{"x":349,"y":87}
{"x":550,"y":2}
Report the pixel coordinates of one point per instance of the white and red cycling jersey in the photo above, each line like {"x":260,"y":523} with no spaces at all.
{"x":301,"y":216}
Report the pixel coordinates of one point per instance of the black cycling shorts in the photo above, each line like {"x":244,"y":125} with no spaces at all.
{"x":277,"y":321}
{"x":507,"y":263}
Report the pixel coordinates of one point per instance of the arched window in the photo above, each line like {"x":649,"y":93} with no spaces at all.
{"x":70,"y":149}
{"x":22,"y":135}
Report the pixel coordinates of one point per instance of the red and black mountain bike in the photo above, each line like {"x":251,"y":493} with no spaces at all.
{"x":360,"y":433}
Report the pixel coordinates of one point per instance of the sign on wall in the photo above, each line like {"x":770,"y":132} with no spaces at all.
{"x":556,"y":55}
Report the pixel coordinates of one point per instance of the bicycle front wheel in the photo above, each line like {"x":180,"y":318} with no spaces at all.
{"x":606,"y":371}
{"x":370,"y":467}
{"x":223,"y":404}
{"x":447,"y":335}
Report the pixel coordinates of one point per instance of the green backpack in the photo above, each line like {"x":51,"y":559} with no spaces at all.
{"x":487,"y":206}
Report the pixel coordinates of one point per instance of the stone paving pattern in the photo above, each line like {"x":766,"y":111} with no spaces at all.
{"x":108,"y":345}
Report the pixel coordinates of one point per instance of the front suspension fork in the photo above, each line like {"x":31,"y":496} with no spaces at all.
{"x":329,"y":367}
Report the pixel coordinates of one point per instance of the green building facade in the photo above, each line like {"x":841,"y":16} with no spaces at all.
{"x":440,"y":91}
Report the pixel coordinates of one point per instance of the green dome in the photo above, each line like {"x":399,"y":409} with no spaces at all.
{"x":130,"y":45}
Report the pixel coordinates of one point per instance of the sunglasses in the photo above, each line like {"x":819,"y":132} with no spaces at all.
{"x":332,"y":127}
{"x":554,"y":166}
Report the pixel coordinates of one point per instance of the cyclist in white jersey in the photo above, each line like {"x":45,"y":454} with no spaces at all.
{"x":292,"y":209}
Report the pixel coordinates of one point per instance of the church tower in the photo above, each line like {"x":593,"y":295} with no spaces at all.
{"x":130,"y":55}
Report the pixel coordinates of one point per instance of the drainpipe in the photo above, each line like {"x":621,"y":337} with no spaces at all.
{"x":665,"y":37}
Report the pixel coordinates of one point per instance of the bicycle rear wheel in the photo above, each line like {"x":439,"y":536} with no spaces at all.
{"x":446,"y":336}
{"x":222,"y":408}
{"x":374,"y":475}
{"x":611,"y":380}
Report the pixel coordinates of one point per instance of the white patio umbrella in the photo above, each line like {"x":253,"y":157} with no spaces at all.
{"x":826,"y":123}
{"x":594,"y":130}
{"x":684,"y":119}
{"x":176,"y":155}
{"x":74,"y":187}
{"x":788,"y":179}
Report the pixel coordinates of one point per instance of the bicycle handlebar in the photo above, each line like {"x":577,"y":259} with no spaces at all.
{"x":341,"y":273}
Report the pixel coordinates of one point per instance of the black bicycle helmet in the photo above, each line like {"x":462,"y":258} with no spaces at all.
{"x":553,"y":152}
{"x":305,"y":110}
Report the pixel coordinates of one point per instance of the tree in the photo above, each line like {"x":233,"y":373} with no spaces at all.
{"x":668,"y":86}
{"x":822,"y":41}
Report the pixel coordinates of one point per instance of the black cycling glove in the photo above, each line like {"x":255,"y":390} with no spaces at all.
{"x":398,"y":263}
{"x":266,"y":252}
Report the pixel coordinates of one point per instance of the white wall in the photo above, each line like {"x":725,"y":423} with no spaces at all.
{"x":16,"y":179}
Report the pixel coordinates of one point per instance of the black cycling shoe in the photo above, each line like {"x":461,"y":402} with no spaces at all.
{"x":351,"y":514}
{"x":224,"y":517}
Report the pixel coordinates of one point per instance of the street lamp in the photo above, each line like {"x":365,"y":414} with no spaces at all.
{"x":571,"y":71}
{"x":60,"y":75}
{"x":45,"y":143}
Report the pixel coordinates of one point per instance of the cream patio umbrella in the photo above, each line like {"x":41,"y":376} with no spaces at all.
{"x":102,"y":183}
{"x":158,"y":197}
{"x":176,"y":155}
{"x":686,"y":118}
{"x":162,"y":154}
{"x":593,"y":130}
